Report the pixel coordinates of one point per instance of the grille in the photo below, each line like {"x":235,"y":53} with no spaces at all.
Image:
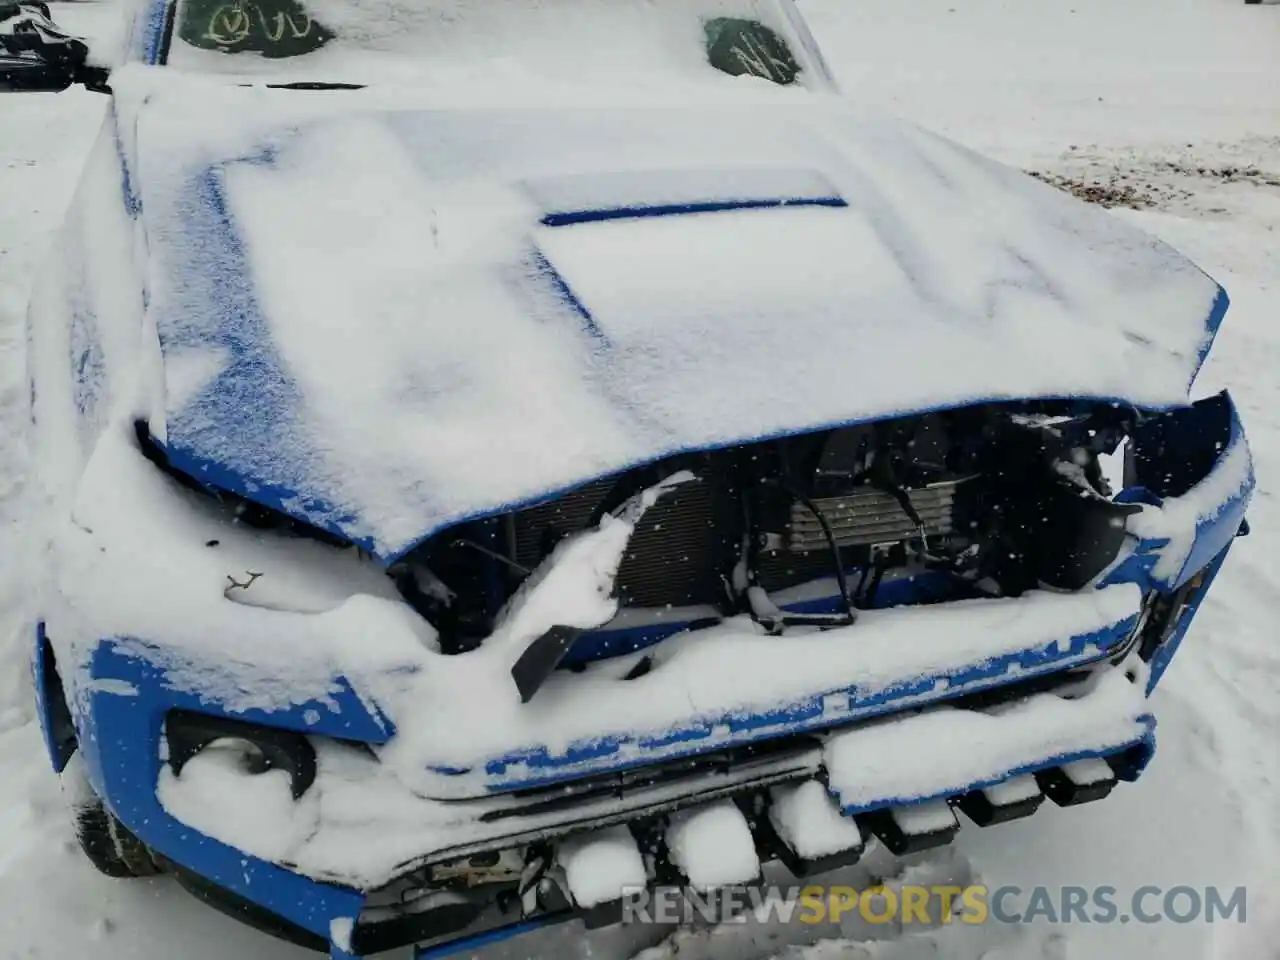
{"x":868,"y":516}
{"x":673,"y":558}
{"x":674,"y":555}
{"x":778,"y":569}
{"x":539,"y":528}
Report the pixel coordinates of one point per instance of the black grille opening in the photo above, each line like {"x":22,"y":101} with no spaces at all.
{"x":674,"y":558}
{"x":677,"y":554}
{"x":973,"y":494}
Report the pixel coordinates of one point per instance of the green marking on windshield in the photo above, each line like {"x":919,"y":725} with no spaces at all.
{"x":272,"y":28}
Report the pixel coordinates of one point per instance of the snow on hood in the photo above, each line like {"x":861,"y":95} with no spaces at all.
{"x":387,"y":322}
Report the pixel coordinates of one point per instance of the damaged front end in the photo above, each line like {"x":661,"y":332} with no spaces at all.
{"x":672,"y":675}
{"x":988,"y":501}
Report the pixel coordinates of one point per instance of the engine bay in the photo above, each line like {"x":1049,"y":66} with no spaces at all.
{"x":806,"y":530}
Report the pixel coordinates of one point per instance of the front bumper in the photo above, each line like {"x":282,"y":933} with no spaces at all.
{"x":1039,"y":685}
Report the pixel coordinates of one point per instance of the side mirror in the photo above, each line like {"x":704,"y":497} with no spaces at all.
{"x":37,"y":56}
{"x":26,"y":74}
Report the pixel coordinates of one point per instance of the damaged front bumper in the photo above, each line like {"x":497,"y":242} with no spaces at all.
{"x":1048,"y":693}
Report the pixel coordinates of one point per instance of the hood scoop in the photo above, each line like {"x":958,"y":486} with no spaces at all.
{"x":666,"y":267}
{"x":631,"y":195}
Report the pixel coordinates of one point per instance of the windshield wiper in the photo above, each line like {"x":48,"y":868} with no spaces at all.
{"x":309,"y":85}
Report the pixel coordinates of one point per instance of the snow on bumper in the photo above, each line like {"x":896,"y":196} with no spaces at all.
{"x":905,"y":759}
{"x":361,"y":827}
{"x":363,"y":820}
{"x":732,"y":684}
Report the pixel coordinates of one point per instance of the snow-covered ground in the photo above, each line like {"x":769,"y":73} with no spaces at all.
{"x":1171,"y":105}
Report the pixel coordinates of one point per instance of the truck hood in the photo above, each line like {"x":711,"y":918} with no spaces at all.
{"x":386,"y":322}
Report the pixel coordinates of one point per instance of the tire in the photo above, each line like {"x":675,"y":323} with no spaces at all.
{"x":108,"y":843}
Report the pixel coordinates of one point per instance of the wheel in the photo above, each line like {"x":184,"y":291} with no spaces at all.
{"x":108,"y":843}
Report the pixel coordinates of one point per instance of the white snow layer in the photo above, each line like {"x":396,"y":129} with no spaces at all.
{"x":1089,"y":771}
{"x":601,"y":866}
{"x":1177,"y":518}
{"x":1014,"y":790}
{"x":360,"y":823}
{"x":918,"y":756}
{"x":917,"y":819}
{"x":464,"y":356}
{"x":713,"y":846}
{"x":573,"y":587}
{"x":218,"y":796}
{"x":809,"y":823}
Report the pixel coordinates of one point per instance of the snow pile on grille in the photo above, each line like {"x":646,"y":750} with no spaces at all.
{"x":219,"y":797}
{"x":809,"y":823}
{"x":574,"y":586}
{"x":600,"y":867}
{"x":900,"y":758}
{"x":712,"y":846}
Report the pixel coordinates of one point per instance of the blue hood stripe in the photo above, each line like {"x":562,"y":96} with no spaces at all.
{"x":569,"y":218}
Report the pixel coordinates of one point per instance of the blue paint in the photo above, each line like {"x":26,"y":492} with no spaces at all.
{"x":1181,"y":435}
{"x":43,"y":685}
{"x":153,"y":31}
{"x":539,"y":767}
{"x":317,"y":513}
{"x":645,"y":211}
{"x":689,"y":733}
{"x":929,"y":586}
{"x":120,"y":739}
{"x":480,"y":940}
{"x":925,"y":587}
{"x":120,"y":735}
{"x":341,"y":714}
{"x":128,"y":189}
{"x":446,"y":771}
{"x":253,"y":381}
{"x":1217,"y":313}
{"x":88,"y":364}
{"x":1164,"y":654}
{"x":799,"y":714}
{"x":544,"y":268}
{"x":131,"y":725}
{"x":1213,"y":537}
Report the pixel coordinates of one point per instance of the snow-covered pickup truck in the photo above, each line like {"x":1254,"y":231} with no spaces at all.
{"x":499,"y":456}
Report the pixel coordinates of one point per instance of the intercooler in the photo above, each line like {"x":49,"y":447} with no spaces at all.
{"x":868,"y":516}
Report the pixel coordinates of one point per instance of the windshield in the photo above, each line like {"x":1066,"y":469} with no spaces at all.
{"x":578,"y":40}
